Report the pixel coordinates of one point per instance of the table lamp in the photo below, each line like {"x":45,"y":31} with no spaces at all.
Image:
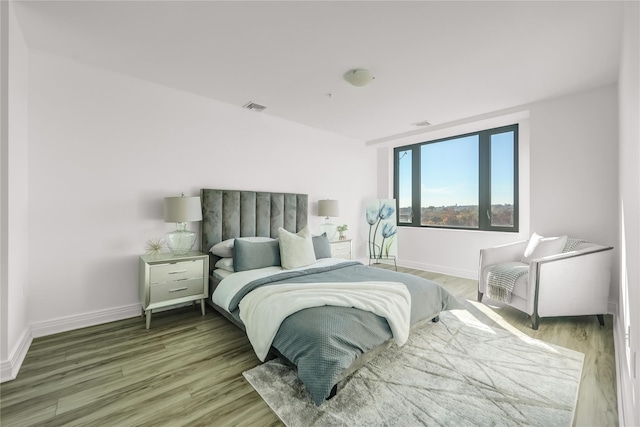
{"x":181,"y":210}
{"x":328,"y":208}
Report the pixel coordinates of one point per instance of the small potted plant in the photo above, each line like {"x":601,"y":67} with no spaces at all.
{"x":342,"y":231}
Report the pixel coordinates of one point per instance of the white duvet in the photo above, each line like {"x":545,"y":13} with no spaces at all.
{"x":264,"y":309}
{"x":228,"y":287}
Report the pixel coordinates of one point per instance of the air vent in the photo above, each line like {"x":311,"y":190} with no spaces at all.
{"x":253,"y":106}
{"x":422,"y":123}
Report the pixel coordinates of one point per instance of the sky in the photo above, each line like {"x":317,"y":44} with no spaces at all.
{"x":450,"y":172}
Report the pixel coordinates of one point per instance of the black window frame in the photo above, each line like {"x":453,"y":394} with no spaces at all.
{"x":484,"y":171}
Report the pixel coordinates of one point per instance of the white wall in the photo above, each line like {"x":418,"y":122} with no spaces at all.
{"x":14,"y":338}
{"x":574,"y":165}
{"x":568,"y":180}
{"x":4,"y":183}
{"x":628,"y":349}
{"x":574,"y":169}
{"x":104,"y":149}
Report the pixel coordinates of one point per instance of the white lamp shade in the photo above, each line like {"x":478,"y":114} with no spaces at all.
{"x":328,"y":208}
{"x":182,"y":209}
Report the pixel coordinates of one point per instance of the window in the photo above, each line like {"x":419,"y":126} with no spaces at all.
{"x":467,"y":181}
{"x":405,"y":187}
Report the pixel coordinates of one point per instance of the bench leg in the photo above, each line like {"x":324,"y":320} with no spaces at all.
{"x":479,"y":296}
{"x":600,"y":319}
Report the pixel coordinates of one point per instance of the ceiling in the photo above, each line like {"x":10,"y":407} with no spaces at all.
{"x":435,"y":61}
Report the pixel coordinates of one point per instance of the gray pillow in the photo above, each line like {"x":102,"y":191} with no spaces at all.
{"x":321,"y":246}
{"x":248,"y":255}
{"x":224,"y":249}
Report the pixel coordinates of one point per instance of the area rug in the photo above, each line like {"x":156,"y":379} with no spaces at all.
{"x":458,"y":372}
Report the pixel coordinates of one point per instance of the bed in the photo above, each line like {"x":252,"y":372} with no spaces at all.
{"x":323,"y":315}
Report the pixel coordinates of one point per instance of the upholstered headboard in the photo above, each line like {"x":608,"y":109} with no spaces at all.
{"x":231,"y":213}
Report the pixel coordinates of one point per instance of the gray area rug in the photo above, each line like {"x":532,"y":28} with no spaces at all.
{"x":458,"y":372}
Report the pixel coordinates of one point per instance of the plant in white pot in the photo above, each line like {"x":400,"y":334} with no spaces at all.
{"x":342,"y":230}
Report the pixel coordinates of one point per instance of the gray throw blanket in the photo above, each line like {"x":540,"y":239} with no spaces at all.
{"x":572,"y":244}
{"x":502,"y":279}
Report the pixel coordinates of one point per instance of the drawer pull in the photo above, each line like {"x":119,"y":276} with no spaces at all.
{"x":178,"y":289}
{"x":178,"y":272}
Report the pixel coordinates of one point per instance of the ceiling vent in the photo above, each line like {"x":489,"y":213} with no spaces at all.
{"x":253,"y":106}
{"x":422,"y":123}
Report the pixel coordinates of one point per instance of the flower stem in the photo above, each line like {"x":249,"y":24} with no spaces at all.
{"x":375,"y":235}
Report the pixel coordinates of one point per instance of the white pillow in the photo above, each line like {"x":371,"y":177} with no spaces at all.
{"x":224,"y":249}
{"x":296,"y":250}
{"x":225,"y":264}
{"x":220,"y":274}
{"x":540,"y":247}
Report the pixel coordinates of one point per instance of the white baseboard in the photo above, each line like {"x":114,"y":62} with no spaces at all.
{"x":623,"y":384}
{"x":465,"y":274}
{"x":70,"y":323}
{"x":457,"y":272}
{"x":9,"y":368}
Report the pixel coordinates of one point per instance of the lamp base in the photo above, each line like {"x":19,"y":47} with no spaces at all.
{"x":181,"y":240}
{"x":330,"y":229}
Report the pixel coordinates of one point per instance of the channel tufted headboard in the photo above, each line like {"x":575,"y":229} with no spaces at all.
{"x":231,"y":213}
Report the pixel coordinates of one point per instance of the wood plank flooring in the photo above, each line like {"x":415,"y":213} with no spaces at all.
{"x":187,"y":370}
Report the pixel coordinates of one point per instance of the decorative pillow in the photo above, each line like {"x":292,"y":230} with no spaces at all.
{"x":249,"y":255}
{"x":321,"y":246}
{"x":224,"y":249}
{"x":540,"y":247}
{"x":296,"y":250}
{"x":225,"y":264}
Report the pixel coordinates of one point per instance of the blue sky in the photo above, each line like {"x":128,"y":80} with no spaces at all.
{"x":450,"y":172}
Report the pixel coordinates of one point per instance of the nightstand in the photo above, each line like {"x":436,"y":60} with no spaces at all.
{"x":167,"y":279}
{"x":341,"y":249}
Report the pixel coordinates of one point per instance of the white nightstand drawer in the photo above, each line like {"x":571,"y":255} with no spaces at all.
{"x":161,"y":273}
{"x":174,"y":290}
{"x":341,"y":249}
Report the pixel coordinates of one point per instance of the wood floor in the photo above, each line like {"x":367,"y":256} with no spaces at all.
{"x":187,"y":370}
